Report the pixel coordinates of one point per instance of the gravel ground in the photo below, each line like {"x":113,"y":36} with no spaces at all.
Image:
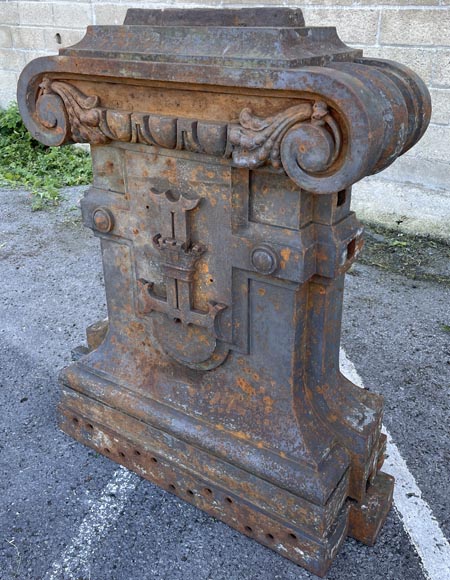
{"x":395,"y":331}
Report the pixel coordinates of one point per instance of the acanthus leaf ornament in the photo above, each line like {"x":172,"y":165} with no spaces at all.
{"x":82,"y":110}
{"x":257,"y":140}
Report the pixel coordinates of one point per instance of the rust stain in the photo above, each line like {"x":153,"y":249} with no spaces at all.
{"x":246,"y":387}
{"x":268,"y":404}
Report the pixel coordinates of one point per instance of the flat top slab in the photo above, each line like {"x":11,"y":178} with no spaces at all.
{"x":244,"y":38}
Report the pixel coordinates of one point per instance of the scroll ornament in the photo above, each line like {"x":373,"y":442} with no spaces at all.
{"x":256,"y":140}
{"x":304,"y":137}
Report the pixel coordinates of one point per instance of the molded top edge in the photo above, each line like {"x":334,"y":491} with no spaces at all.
{"x":245,"y":47}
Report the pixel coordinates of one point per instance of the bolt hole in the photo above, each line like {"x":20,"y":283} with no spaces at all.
{"x":341,"y":197}
{"x":89,"y":425}
{"x":75,"y":420}
{"x":58,"y":38}
{"x":107,"y":450}
{"x":211,"y":280}
{"x":249,"y":529}
{"x":147,"y":207}
{"x":270,"y":537}
{"x":190,"y":492}
{"x":177,"y":320}
{"x":172,"y":487}
{"x":154,"y":460}
{"x":122,"y":454}
{"x":293,"y":536}
{"x":208,"y":491}
{"x":351,"y":248}
{"x":229,"y":500}
{"x":136,"y":452}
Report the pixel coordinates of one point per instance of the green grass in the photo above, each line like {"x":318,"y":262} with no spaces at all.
{"x":24,"y":162}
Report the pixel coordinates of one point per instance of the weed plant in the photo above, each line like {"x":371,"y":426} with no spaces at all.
{"x":24,"y":162}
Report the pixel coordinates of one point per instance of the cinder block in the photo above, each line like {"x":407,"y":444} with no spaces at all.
{"x":35,"y":13}
{"x":363,"y":3}
{"x":72,"y":15}
{"x":12,"y":59}
{"x":8,"y":84}
{"x":5,"y":37}
{"x":416,"y":27}
{"x":434,"y":145}
{"x":110,"y":13}
{"x":26,"y":37}
{"x":420,"y":60}
{"x":441,"y":68}
{"x":9,"y":13}
{"x":395,"y":2}
{"x":237,"y":4}
{"x":356,"y":26}
{"x":30,"y":55}
{"x":56,"y":38}
{"x":441,"y":106}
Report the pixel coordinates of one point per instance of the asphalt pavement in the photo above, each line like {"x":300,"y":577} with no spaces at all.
{"x":69,"y":513}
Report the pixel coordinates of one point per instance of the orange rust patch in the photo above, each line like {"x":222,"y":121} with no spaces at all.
{"x":246,"y":387}
{"x":268,"y":404}
{"x":241,"y":435}
{"x":285,"y":255}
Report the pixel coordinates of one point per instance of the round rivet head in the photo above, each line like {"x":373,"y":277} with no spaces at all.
{"x":264,"y":259}
{"x":103,"y":220}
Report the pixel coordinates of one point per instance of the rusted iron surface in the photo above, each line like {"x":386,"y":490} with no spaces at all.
{"x":225,"y":145}
{"x":367,"y":517}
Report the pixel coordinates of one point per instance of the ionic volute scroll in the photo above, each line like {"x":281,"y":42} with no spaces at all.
{"x":257,"y":141}
{"x":304,"y":140}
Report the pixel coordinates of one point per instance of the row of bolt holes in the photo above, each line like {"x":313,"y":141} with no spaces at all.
{"x":207,"y":490}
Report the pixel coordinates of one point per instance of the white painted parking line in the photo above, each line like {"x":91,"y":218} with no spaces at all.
{"x":76,"y":559}
{"x":415,"y":514}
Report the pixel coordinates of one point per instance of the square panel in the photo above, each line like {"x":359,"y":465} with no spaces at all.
{"x":275,"y":200}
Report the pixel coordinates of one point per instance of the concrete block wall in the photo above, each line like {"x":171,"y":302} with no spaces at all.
{"x":414,"y":32}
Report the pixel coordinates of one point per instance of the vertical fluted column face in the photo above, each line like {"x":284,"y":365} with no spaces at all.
{"x":224,"y":147}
